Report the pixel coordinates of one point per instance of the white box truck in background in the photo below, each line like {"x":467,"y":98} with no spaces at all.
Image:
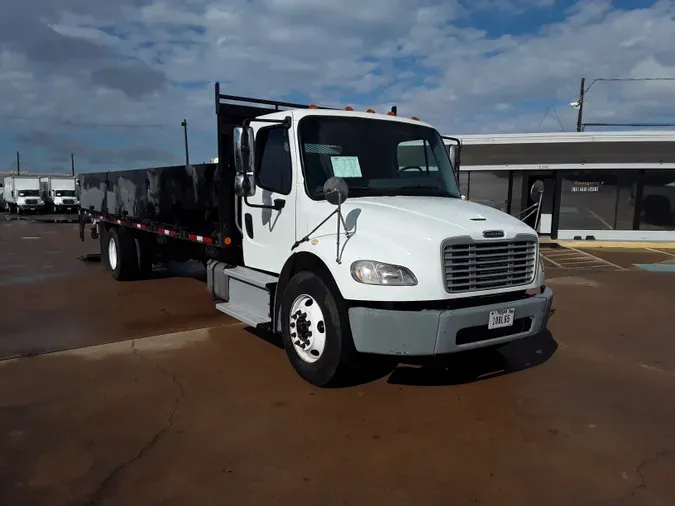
{"x":22,"y":194}
{"x":59,"y":194}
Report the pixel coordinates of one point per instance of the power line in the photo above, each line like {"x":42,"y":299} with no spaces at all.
{"x":558,"y":118}
{"x":628,"y":79}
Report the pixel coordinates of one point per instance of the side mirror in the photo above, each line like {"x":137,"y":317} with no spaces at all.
{"x":537,"y":190}
{"x":244,"y":161}
{"x":454,"y":151}
{"x":336,"y":191}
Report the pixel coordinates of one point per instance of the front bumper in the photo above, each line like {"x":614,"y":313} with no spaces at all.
{"x":436,"y":332}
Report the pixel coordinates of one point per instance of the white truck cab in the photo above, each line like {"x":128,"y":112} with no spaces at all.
{"x":356,"y":240}
{"x":22,"y":194}
{"x":59,"y":193}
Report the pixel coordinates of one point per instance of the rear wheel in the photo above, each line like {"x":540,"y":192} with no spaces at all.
{"x":121,"y":255}
{"x":315,"y":330}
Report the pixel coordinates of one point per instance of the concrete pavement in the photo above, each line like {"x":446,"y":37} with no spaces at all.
{"x":214,"y":414}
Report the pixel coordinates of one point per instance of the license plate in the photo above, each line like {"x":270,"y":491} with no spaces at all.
{"x":501,"y":318}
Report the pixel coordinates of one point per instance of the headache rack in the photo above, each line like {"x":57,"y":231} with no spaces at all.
{"x":471,"y":266}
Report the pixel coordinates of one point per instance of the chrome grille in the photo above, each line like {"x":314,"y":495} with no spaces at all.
{"x":476,"y":266}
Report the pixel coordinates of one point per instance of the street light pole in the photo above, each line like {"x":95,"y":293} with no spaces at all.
{"x":72,"y":164}
{"x":187,"y":154}
{"x":18,"y":164}
{"x":581,"y":106}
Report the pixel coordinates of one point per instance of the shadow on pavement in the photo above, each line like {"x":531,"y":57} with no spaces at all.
{"x":455,"y":369}
{"x":477,"y":365}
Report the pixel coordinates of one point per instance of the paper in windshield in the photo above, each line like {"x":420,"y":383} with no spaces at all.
{"x":346,"y":166}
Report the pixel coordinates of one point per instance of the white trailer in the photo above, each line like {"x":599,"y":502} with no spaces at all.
{"x":22,"y":194}
{"x":59,"y":193}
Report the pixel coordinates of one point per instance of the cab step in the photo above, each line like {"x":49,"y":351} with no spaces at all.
{"x":243,"y":293}
{"x":243,"y":314}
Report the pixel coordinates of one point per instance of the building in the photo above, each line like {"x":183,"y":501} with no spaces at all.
{"x":597,"y":185}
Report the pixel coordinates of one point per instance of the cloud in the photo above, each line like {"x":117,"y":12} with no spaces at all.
{"x":479,"y":66}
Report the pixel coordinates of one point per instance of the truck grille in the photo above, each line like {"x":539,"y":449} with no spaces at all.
{"x":475,"y":266}
{"x":31,"y":202}
{"x":68,"y":202}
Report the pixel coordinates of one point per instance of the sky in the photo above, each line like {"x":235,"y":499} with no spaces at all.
{"x":111,"y":82}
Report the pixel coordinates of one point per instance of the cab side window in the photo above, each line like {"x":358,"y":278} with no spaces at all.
{"x":273,"y":160}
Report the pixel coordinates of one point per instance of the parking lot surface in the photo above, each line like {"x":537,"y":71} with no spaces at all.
{"x":204,"y":411}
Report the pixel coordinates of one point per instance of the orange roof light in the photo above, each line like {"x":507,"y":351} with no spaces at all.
{"x":227,"y":241}
{"x":313,"y":106}
{"x":370,"y":110}
{"x":415,"y":118}
{"x":349,"y":108}
{"x":391,"y":113}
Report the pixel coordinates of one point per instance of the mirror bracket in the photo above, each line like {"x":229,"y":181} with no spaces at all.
{"x":336,"y":191}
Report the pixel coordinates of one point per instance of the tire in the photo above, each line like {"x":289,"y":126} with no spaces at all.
{"x":320,"y":365}
{"x":103,"y":241}
{"x":122,"y":259}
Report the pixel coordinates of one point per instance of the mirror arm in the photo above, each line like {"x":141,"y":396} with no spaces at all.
{"x":306,"y":238}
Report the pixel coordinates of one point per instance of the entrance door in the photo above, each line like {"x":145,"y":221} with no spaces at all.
{"x":546,"y":213}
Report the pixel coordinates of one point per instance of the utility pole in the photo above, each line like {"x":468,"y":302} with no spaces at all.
{"x":187,"y":154}
{"x":580,"y":117}
{"x":18,"y":164}
{"x":72,"y":164}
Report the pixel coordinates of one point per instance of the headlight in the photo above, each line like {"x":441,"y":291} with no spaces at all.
{"x":370,"y":272}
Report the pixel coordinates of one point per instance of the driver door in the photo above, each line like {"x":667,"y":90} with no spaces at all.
{"x":269,"y":233}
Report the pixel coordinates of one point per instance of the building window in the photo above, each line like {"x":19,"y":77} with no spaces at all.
{"x":464,"y":183}
{"x":658,"y":200}
{"x":490,"y":188}
{"x":517,"y":196}
{"x":588,"y":200}
{"x":625,"y":204}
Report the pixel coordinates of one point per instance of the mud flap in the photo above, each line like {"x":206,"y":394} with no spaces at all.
{"x":81,"y":226}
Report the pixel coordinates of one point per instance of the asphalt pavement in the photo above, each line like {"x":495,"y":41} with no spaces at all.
{"x":143,"y":393}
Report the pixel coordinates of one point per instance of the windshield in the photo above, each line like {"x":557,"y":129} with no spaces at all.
{"x":65,"y":193}
{"x":29,"y":193}
{"x":375,"y":157}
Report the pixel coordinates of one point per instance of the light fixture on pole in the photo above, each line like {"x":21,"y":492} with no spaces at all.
{"x":579,"y":104}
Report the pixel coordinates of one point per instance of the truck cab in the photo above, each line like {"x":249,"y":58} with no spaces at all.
{"x":59,"y":193}
{"x":368,"y":252}
{"x":22,"y":194}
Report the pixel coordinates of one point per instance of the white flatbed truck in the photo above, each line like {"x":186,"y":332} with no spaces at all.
{"x":311,"y":226}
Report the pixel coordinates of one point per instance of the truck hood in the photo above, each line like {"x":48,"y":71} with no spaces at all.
{"x":430,"y":218}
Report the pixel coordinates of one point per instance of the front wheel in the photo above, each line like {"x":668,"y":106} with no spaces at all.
{"x":315,"y":330}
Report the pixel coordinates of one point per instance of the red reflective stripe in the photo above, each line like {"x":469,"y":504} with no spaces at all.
{"x":165,"y":231}
{"x":200,"y":238}
{"x":139,"y":225}
{"x":119,"y":222}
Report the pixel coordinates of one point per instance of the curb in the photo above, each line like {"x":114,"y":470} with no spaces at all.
{"x":608,"y":244}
